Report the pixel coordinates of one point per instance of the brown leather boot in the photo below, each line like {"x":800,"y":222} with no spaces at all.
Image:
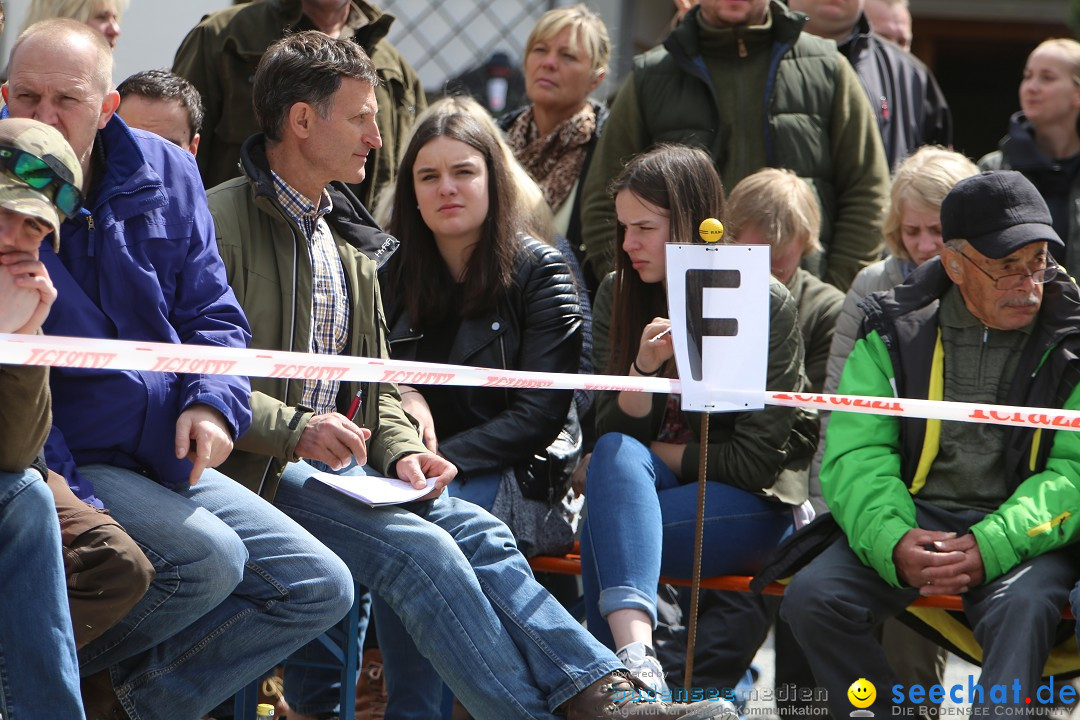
{"x":371,"y":687}
{"x":620,"y":695}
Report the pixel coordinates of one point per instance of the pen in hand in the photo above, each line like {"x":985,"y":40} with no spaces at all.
{"x":656,"y":338}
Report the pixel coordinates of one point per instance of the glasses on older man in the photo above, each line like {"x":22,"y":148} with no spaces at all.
{"x":45,"y":173}
{"x":1014,"y":280}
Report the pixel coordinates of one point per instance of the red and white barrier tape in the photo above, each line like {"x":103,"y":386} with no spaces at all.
{"x":214,"y":360}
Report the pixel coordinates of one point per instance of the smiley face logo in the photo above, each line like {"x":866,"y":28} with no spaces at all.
{"x":862,"y":693}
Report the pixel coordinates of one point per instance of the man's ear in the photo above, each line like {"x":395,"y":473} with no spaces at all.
{"x":193,"y":146}
{"x":109,"y":105}
{"x":954,"y":266}
{"x":299,"y":120}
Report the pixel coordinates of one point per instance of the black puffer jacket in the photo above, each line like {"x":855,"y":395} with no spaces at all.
{"x":536,"y":326}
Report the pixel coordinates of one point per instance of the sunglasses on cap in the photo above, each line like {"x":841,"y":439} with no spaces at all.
{"x":41,"y":174}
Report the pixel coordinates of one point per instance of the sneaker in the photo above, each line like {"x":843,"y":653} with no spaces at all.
{"x":621,"y":695}
{"x":640,"y":660}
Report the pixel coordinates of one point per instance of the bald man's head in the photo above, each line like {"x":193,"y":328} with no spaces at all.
{"x":63,"y":33}
{"x":60,"y":73}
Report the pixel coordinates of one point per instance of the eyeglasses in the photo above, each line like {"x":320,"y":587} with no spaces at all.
{"x":41,"y":174}
{"x":1015,"y":280}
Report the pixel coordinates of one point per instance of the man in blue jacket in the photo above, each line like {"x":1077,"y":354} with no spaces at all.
{"x":239,"y":586}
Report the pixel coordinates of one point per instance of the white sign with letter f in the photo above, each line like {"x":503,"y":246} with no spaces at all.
{"x":718,"y":299}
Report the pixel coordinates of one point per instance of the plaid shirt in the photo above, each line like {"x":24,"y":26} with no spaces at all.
{"x":329,"y":294}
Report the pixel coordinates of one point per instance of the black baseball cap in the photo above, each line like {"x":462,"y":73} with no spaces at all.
{"x":998,"y":213}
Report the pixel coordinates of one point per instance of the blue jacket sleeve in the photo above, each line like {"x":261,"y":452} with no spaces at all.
{"x":205,"y":312}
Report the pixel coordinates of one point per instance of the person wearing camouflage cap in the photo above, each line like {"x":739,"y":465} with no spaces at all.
{"x":42,"y":176}
{"x":140,"y":262}
{"x":37,"y":648}
{"x":107,"y":572}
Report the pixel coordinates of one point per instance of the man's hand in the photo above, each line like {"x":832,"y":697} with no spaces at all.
{"x":203,"y":437}
{"x":914,"y":560}
{"x":26,"y":293}
{"x":414,"y":403}
{"x":333,"y":439}
{"x":959,"y":577}
{"x":418,"y":467}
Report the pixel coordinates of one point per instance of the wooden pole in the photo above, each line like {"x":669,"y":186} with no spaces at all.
{"x":695,"y":583}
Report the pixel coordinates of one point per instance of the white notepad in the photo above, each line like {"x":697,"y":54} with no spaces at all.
{"x":373,"y":489}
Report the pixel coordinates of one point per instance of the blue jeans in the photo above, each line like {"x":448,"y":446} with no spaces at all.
{"x":413,"y":689}
{"x":640,"y":522}
{"x":39,"y":676}
{"x":239,"y":587}
{"x":453,"y":575}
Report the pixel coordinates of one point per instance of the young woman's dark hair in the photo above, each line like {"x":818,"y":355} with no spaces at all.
{"x":418,"y":273}
{"x":683,"y":182}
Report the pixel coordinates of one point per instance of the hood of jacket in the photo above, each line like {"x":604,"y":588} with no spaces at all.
{"x":1020,"y":149}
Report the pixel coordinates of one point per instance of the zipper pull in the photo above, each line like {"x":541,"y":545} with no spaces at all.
{"x":742,"y":48}
{"x":90,"y":236}
{"x":986,"y":334}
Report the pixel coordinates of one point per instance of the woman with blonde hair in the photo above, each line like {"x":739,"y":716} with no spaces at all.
{"x":566,"y":57}
{"x":912,"y":236}
{"x":1044,"y":139}
{"x":102,"y":15}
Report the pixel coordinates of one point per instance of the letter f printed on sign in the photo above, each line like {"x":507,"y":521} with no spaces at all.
{"x":697,"y":327}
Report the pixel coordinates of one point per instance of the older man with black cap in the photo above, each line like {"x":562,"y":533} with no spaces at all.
{"x":931,"y":507}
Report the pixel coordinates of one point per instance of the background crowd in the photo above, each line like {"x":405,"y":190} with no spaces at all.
{"x":288,"y":185}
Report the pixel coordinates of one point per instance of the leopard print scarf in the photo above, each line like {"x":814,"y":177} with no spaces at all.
{"x":554,"y":160}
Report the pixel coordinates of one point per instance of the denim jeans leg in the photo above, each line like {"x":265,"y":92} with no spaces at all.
{"x":39,"y":675}
{"x":312,"y":683}
{"x":641,"y":523}
{"x":287,"y":588}
{"x":563,"y":659}
{"x":622,"y":535}
{"x":413,"y":690}
{"x":423,"y":572}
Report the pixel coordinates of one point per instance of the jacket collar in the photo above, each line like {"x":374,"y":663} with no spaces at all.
{"x":376,"y":27}
{"x":850,"y":46}
{"x":505,"y":122}
{"x":124,"y":179}
{"x":1059,"y":314}
{"x":1020,"y":149}
{"x":787,"y":24}
{"x":348,"y":218}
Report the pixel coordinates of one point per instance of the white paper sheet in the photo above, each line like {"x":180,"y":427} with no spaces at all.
{"x":373,"y":489}
{"x":720,"y":295}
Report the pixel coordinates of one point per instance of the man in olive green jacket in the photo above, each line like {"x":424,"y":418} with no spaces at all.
{"x":748,"y":86}
{"x":220,"y":54}
{"x":293,"y":240}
